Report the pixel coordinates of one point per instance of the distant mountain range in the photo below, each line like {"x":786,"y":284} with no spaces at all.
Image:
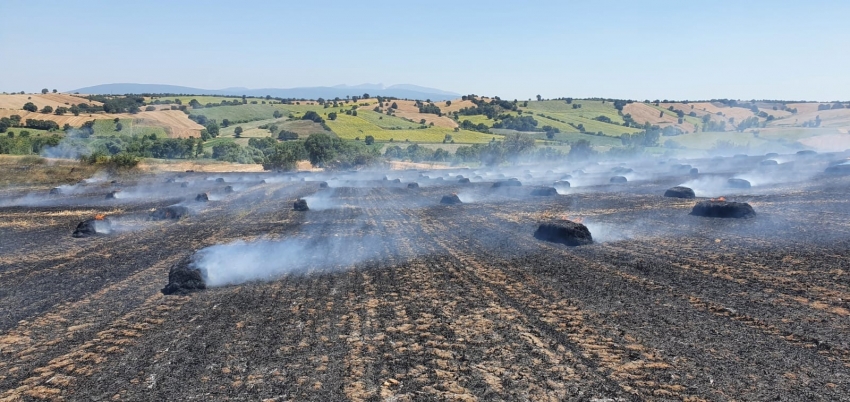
{"x":403,"y":91}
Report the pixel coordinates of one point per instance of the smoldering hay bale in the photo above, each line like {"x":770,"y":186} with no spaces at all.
{"x":202,"y":197}
{"x":185,"y":184}
{"x":228,"y":189}
{"x":300,"y":205}
{"x":562,"y":184}
{"x":323,"y":184}
{"x":680,"y":192}
{"x":738,"y":183}
{"x":806,"y":152}
{"x":183,"y":278}
{"x":55,"y":191}
{"x":413,"y":185}
{"x":769,"y":162}
{"x":618,"y":179}
{"x":219,"y":180}
{"x":463,"y":180}
{"x":507,"y":183}
{"x":170,"y":212}
{"x":113,"y":195}
{"x":723,"y":209}
{"x":843,"y":169}
{"x":564,"y":232}
{"x":92,"y":227}
{"x":544,"y":192}
{"x":694,"y":172}
{"x":451,"y":199}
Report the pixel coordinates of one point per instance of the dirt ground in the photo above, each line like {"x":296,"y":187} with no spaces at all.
{"x":441,"y":302}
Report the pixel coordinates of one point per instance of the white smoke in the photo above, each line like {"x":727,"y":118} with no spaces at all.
{"x":262,"y":260}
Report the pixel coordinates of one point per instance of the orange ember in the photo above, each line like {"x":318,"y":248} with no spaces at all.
{"x":567,"y":218}
{"x":99,"y":217}
{"x":719,"y":199}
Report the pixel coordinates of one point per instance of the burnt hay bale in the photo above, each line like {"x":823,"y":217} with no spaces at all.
{"x":463,"y":180}
{"x":170,"y":180}
{"x":113,"y":195}
{"x":618,"y":179}
{"x":228,"y":189}
{"x":202,"y":197}
{"x":507,"y":183}
{"x":413,"y":185}
{"x":185,"y":184}
{"x":564,"y":232}
{"x":680,"y":192}
{"x":91,"y":227}
{"x":174,"y":212}
{"x":723,"y":209}
{"x":562,"y":184}
{"x":544,"y":192}
{"x":450,"y":199}
{"x":680,"y":167}
{"x":323,"y":184}
{"x":300,"y":205}
{"x":694,"y":172}
{"x":806,"y":152}
{"x":55,"y":191}
{"x":838,"y":170}
{"x":769,"y":162}
{"x":738,"y":183}
{"x":183,"y":279}
{"x":566,"y":177}
{"x":219,"y":180}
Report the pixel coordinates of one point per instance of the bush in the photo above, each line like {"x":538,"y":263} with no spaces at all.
{"x":47,"y":110}
{"x":150,"y":108}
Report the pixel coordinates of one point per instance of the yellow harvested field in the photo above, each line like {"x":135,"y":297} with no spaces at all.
{"x":835,"y":118}
{"x":738,"y":113}
{"x":456,"y":105}
{"x":175,"y":122}
{"x":16,"y":102}
{"x":804,"y":107}
{"x":830,"y":142}
{"x":643,"y":113}
{"x":409,"y":110}
{"x":75,"y":121}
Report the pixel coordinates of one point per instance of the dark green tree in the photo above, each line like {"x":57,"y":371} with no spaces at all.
{"x":30,"y":107}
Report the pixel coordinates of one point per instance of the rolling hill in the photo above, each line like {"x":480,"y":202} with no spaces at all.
{"x":403,"y":91}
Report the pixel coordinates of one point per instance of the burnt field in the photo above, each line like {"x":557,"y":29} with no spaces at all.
{"x":380,"y":291}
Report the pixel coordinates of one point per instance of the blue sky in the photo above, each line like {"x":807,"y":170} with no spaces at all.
{"x":621,"y":49}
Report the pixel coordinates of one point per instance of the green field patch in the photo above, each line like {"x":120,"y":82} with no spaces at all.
{"x":107,"y":128}
{"x":352,"y":127}
{"x":386,"y":122}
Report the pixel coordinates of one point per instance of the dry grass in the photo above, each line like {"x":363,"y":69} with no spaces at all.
{"x":20,"y":170}
{"x":16,"y":102}
{"x":175,"y":122}
{"x":409,"y":110}
{"x":642,"y":113}
{"x":198,"y":166}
